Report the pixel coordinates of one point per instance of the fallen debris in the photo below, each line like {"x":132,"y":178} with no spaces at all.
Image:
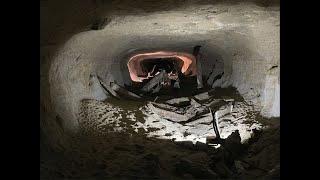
{"x":223,"y":111}
{"x":215,"y":104}
{"x":195,"y":103}
{"x":168,"y":107}
{"x":195,"y":110}
{"x":108,"y":88}
{"x":177,"y":114}
{"x":156,"y":89}
{"x":179,"y":101}
{"x":115,"y":90}
{"x":155,"y":83}
{"x":187,"y":118}
{"x":205,"y":119}
{"x":170,"y":115}
{"x":122,"y":91}
{"x":197,"y":121}
{"x":202,"y":96}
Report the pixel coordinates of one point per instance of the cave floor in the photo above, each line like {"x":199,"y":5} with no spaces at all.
{"x":115,"y":115}
{"x":125,"y":156}
{"x":130,"y":144}
{"x":126,"y":150}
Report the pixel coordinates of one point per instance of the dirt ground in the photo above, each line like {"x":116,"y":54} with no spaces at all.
{"x":136,"y":157}
{"x":129,"y":155}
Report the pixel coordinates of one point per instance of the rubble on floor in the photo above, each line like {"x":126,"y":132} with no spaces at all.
{"x":155,"y":83}
{"x":179,"y":101}
{"x":178,"y":119}
{"x":202,"y":96}
{"x":113,"y":89}
{"x":168,"y":139}
{"x":198,"y":126}
{"x":123,"y":92}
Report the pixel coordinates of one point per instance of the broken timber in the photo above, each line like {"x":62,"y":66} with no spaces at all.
{"x":155,"y":82}
{"x":115,"y":90}
{"x":107,"y":88}
{"x":122,"y":91}
{"x":183,"y":101}
{"x":176,"y":114}
{"x":167,"y":114}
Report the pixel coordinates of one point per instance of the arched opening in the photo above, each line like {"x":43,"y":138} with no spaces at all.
{"x":143,"y":66}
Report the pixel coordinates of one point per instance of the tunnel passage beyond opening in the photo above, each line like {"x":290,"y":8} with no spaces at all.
{"x":165,"y":70}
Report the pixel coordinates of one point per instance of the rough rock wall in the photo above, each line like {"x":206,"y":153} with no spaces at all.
{"x":244,"y":36}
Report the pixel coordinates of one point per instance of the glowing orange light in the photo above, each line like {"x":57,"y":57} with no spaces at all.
{"x":188,"y":67}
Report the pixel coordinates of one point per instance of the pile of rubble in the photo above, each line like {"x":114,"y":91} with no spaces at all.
{"x":194,"y":118}
{"x":198,"y":118}
{"x":186,"y":127}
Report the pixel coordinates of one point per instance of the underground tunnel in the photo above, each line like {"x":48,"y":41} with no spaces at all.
{"x":157,"y":90}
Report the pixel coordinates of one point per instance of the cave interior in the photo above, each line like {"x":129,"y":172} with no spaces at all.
{"x":157,"y":90}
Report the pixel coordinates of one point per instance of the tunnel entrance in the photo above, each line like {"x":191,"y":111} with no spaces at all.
{"x":162,"y":70}
{"x":141,"y":65}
